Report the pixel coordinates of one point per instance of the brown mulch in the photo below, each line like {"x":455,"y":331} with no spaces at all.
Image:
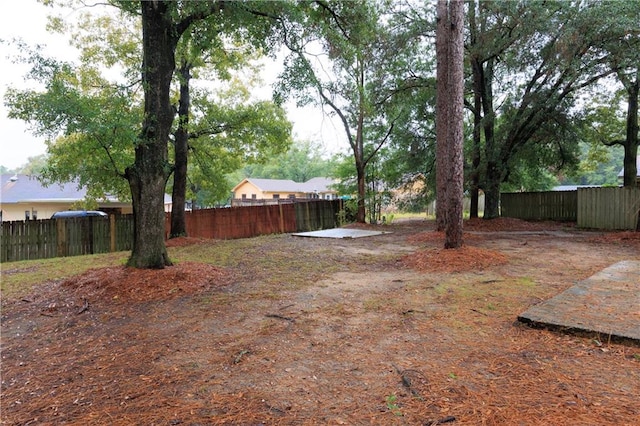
{"x":123,"y":284}
{"x":465,"y":258}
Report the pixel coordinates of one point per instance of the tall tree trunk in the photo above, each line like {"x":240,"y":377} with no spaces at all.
{"x":442,"y":111}
{"x":450,"y":99}
{"x":453,"y":230}
{"x":630,"y":178}
{"x":477,"y":138}
{"x":359,"y":150}
{"x":148,"y":175}
{"x":179,"y":194}
{"x":362,"y":191}
{"x":474,"y":177}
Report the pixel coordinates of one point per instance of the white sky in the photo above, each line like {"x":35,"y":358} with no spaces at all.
{"x":26,"y":20}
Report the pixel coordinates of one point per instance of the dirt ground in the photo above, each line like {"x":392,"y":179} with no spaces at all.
{"x":284,"y":330}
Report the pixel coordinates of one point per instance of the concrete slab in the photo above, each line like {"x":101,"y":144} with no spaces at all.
{"x":607,"y":304}
{"x":340,"y":233}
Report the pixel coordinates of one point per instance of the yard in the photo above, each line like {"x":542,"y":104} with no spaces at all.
{"x":283,"y":330}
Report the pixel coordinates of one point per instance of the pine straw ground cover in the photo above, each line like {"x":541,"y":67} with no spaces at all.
{"x":280,"y":330}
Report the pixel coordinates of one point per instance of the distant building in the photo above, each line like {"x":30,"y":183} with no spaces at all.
{"x":572,"y":187}
{"x":251,"y":190}
{"x":23,"y":197}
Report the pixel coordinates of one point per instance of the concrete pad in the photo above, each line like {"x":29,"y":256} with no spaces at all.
{"x":340,"y":233}
{"x":607,"y":304}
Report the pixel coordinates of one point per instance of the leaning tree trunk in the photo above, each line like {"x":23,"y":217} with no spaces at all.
{"x":179,"y":193}
{"x":148,"y":175}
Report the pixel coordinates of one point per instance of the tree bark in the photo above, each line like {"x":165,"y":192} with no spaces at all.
{"x":179,"y":193}
{"x":453,"y":230}
{"x":148,"y":175}
{"x":449,"y":120}
{"x":630,"y":178}
{"x":442,"y":111}
{"x":493,"y":179}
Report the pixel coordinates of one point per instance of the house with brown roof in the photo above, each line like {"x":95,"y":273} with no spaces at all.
{"x":24,"y":197}
{"x":265,"y":191}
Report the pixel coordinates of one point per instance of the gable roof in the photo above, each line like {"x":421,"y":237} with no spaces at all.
{"x":27,"y":188}
{"x":318,"y":184}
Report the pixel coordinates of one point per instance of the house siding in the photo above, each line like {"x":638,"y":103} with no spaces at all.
{"x":21,"y":193}
{"x":281,"y":189}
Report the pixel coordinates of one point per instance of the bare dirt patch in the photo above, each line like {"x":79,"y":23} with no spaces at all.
{"x":281,"y":330}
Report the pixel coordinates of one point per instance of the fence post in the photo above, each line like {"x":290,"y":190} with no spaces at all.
{"x":61,"y":230}
{"x":112,"y":233}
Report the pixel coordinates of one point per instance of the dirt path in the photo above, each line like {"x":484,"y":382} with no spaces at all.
{"x":296,"y":331}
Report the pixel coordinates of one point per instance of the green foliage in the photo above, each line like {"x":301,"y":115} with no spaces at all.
{"x":355,"y":76}
{"x":348,"y":212}
{"x":599,"y":165}
{"x":231,"y":130}
{"x":303,"y":161}
{"x":532,"y":61}
{"x":392,"y":405}
{"x":33,"y":166}
{"x":91,"y":113}
{"x":90,"y":125}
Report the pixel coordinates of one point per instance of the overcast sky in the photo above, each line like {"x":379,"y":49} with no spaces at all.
{"x":26,"y":20}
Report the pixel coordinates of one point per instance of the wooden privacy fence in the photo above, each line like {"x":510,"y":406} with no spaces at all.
{"x":47,"y":238}
{"x":40,"y":239}
{"x":551,"y":205}
{"x":608,"y":208}
{"x":597,"y":208}
{"x":250,"y":221}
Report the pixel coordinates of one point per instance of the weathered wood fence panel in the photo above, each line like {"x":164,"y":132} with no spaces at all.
{"x":239,"y":222}
{"x":318,"y":214}
{"x":34,"y":239}
{"x":40,"y":239}
{"x":608,"y":208}
{"x":251,"y":221}
{"x":612,"y":208}
{"x":550,"y":205}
